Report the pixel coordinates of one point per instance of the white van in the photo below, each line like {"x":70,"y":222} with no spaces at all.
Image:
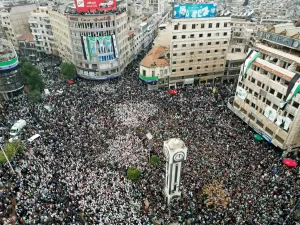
{"x":31,"y":140}
{"x":17,"y":127}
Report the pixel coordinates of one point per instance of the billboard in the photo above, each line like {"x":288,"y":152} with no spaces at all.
{"x":93,"y":5}
{"x":105,"y":48}
{"x":195,"y":11}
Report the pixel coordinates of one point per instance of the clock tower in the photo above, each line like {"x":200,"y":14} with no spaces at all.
{"x":175,"y":152}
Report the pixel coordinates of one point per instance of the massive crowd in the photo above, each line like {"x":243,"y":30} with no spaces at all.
{"x":91,"y":132}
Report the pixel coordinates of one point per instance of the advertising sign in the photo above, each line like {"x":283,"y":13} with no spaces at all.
{"x":93,"y":5}
{"x":195,"y":11}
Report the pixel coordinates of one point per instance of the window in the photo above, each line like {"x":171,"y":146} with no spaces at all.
{"x":174,"y":62}
{"x":199,"y":60}
{"x":193,"y":45}
{"x":209,"y":35}
{"x":191,"y":68}
{"x":191,"y":60}
{"x":174,"y":46}
{"x":258,"y":83}
{"x":225,"y":24}
{"x":200,"y":44}
{"x":183,"y":45}
{"x":207,"y":59}
{"x":215,"y":58}
{"x":206,"y":66}
{"x":200,"y":35}
{"x":217,"y":42}
{"x":182,"y":61}
{"x":253,"y":105}
{"x":217,"y":34}
{"x":199,"y":52}
{"x":191,"y":53}
{"x":225,"y":42}
{"x":176,"y":27}
{"x":269,"y":131}
{"x":202,"y":25}
{"x":183,"y":36}
{"x":214,"y":66}
{"x":253,"y":80}
{"x":144,"y":72}
{"x":221,"y":64}
{"x":217,"y":25}
{"x":295,"y":104}
{"x":279,"y":95}
{"x":193,"y":26}
{"x":272,"y":91}
{"x":192,"y":36}
{"x":210,"y":25}
{"x":268,"y":103}
{"x":173,"y":70}
{"x":153,"y":74}
{"x":208,"y":51}
{"x":291,"y":116}
{"x":260,"y":124}
{"x":225,"y":33}
{"x":198,"y":67}
{"x":184,"y":27}
{"x":216,"y":50}
{"x":183,"y":53}
{"x":94,"y":66}
{"x":174,"y":54}
{"x":174,"y":37}
{"x":209,"y":43}
{"x":275,"y":106}
{"x":247,"y":101}
{"x":182,"y":69}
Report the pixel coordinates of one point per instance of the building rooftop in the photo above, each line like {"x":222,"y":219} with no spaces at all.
{"x":236,"y":56}
{"x":164,"y":37}
{"x":155,"y":57}
{"x":278,"y":53}
{"x":26,"y":37}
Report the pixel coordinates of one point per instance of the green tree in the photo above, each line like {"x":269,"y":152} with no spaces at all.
{"x":35,"y":96}
{"x":154,"y":160}
{"x":31,"y":75}
{"x":10,"y":150}
{"x":133,"y":173}
{"x":68,"y":70}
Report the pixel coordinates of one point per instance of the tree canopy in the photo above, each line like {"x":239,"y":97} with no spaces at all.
{"x":10,"y":150}
{"x":32,"y":75}
{"x":35,"y":96}
{"x":68,"y":70}
{"x":133,"y":173}
{"x":154,"y":160}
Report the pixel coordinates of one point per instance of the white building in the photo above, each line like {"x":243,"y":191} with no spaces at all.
{"x":198,"y":49}
{"x":41,"y":30}
{"x":14,"y":21}
{"x":263,"y":98}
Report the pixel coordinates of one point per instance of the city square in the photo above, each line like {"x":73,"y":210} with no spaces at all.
{"x":76,"y":172}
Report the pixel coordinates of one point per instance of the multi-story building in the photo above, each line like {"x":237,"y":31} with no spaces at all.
{"x":10,"y":79}
{"x":27,"y":47}
{"x":241,"y":33}
{"x":157,"y":6}
{"x":198,"y":49}
{"x":61,"y":32}
{"x":41,"y":30}
{"x":14,"y":21}
{"x":267,"y":97}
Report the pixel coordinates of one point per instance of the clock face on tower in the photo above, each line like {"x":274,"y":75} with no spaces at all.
{"x":179,"y":156}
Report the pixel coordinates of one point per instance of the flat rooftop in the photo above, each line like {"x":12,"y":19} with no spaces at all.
{"x":279,"y":53}
{"x":236,"y":56}
{"x":155,"y":58}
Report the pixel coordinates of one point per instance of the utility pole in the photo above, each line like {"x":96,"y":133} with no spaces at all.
{"x":7,"y":160}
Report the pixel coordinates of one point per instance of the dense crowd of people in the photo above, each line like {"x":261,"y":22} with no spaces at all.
{"x":92,"y":132}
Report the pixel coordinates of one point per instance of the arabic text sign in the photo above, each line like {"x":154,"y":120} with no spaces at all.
{"x":93,"y":5}
{"x":194,"y":11}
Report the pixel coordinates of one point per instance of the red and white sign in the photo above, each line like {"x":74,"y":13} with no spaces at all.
{"x":93,"y":5}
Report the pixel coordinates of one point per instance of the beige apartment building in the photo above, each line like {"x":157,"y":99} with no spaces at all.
{"x":61,"y":33}
{"x":263,"y":89}
{"x":41,"y":29}
{"x":198,"y":49}
{"x":14,"y":21}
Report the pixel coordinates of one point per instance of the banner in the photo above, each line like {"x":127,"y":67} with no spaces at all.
{"x":86,"y":48}
{"x":270,"y":113}
{"x":292,"y":90}
{"x":109,"y":48}
{"x":241,"y":93}
{"x":93,"y":5}
{"x":115,"y":46}
{"x":251,"y":57}
{"x":93,"y":46}
{"x":283,"y":122}
{"x":195,"y":11}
